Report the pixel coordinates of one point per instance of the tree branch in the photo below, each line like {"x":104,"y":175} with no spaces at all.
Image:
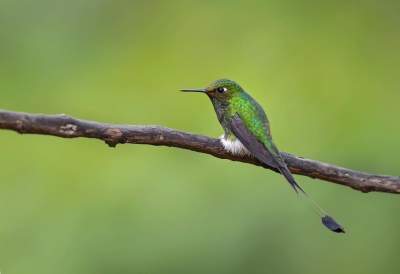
{"x":68,"y":127}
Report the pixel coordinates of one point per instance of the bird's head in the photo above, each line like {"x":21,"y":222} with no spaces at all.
{"x":222,"y":90}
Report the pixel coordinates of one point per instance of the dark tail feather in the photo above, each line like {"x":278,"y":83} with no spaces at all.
{"x":331,"y":224}
{"x":327,"y":220}
{"x":289,"y":177}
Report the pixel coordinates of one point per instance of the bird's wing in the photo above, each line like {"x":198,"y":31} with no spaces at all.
{"x":251,"y":143}
{"x":268,"y":155}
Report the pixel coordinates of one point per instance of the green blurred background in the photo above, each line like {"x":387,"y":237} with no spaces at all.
{"x":327,"y":73}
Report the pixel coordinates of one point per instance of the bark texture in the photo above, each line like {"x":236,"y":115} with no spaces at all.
{"x":68,"y":127}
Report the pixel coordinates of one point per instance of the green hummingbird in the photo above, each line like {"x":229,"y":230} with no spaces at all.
{"x":247,"y":131}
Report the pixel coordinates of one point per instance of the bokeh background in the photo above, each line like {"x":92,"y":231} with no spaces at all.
{"x":327,"y":73}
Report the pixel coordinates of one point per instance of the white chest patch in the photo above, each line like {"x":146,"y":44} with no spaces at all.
{"x":233,"y":146}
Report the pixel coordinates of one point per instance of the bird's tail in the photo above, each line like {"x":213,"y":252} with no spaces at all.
{"x":327,"y":220}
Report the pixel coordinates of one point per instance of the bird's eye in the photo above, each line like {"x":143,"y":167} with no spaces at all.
{"x":222,"y":89}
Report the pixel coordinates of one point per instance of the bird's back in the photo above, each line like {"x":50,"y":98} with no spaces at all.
{"x":253,"y":117}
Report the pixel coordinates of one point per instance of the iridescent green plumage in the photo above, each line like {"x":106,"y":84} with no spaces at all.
{"x":250,"y":112}
{"x":245,"y":123}
{"x":243,"y":118}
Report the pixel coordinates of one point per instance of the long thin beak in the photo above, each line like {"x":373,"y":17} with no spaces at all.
{"x":194,"y":90}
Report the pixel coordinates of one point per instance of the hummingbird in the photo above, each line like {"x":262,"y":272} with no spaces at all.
{"x":247,"y":131}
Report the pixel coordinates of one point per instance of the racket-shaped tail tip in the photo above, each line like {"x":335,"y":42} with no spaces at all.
{"x":332,"y":225}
